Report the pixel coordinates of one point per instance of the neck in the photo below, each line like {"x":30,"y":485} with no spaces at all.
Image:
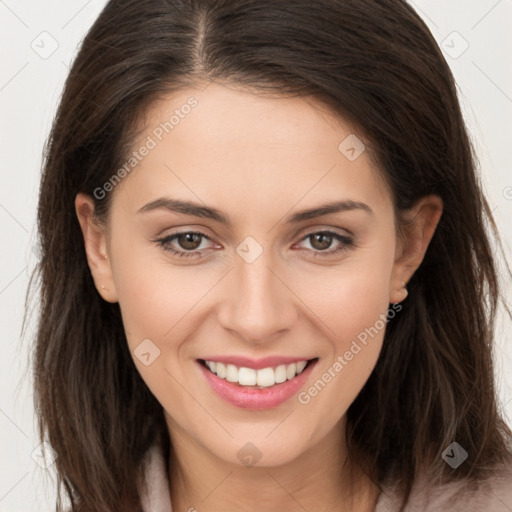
{"x":321,"y":477}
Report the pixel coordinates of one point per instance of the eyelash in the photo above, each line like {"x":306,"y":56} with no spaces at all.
{"x":347,"y":243}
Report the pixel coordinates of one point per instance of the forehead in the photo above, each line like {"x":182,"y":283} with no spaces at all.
{"x":224,"y":117}
{"x":233,"y":147}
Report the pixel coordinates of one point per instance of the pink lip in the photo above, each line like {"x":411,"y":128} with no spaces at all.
{"x":256,"y":364}
{"x":252,"y":397}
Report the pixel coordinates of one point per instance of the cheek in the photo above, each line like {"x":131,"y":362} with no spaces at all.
{"x":153,"y":295}
{"x":350,"y":297}
{"x":351,"y":303}
{"x":157,"y":305}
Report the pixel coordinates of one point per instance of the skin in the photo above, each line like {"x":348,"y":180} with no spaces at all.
{"x":258,"y":160}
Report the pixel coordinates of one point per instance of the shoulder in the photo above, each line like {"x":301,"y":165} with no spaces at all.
{"x":155,"y":494}
{"x":494,"y":494}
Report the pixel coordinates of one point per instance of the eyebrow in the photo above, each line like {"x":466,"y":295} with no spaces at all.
{"x":197,"y":210}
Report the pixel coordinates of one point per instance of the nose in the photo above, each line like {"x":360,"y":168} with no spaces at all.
{"x":258,"y":303}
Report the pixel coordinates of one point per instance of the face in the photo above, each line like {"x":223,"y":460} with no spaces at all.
{"x":250,"y":320}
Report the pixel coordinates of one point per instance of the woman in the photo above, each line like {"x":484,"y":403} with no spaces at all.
{"x":266,"y":278}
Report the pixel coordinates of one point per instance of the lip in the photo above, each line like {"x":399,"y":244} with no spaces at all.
{"x":253,"y":398}
{"x":256,"y":364}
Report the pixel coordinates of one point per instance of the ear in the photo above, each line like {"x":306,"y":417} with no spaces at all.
{"x":412,"y":243}
{"x":96,"y":247}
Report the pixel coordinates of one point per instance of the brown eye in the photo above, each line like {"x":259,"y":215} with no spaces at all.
{"x":320,"y":241}
{"x":189,"y":241}
{"x":187,"y":244}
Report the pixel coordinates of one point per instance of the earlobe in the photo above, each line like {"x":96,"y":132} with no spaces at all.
{"x":397,"y":295}
{"x":420,"y":224}
{"x":96,"y":249}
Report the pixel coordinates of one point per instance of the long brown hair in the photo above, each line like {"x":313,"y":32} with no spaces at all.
{"x":376,"y":64}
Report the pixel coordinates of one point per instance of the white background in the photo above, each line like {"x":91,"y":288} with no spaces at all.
{"x":30,"y":85}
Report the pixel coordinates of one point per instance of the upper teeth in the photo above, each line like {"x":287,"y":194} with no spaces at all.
{"x":249,"y":377}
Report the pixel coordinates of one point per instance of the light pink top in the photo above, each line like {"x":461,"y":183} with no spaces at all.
{"x":495,"y":496}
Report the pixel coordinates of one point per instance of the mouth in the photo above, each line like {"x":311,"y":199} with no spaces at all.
{"x":258,"y":389}
{"x":257,"y":378}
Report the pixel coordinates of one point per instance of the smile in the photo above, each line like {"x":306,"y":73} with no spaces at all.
{"x":265,"y":387}
{"x":262,"y":378}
